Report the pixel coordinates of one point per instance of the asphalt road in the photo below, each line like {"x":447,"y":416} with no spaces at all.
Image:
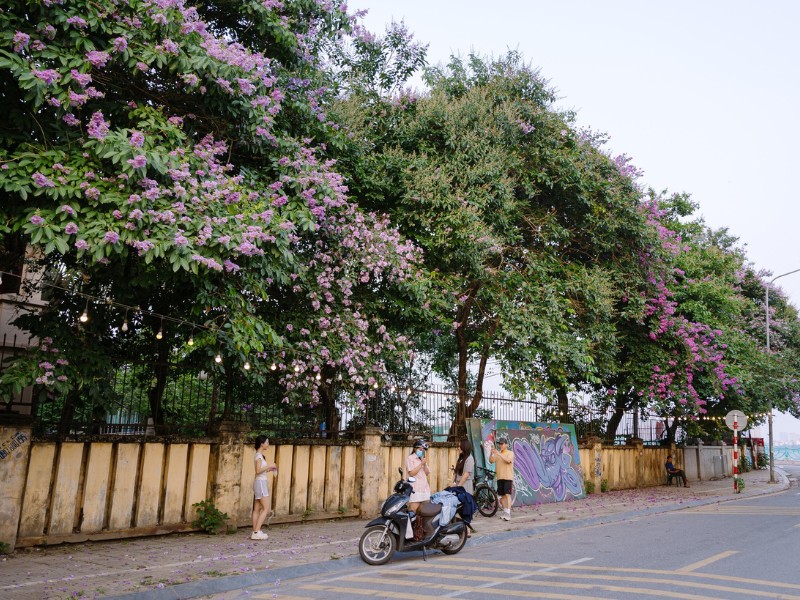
{"x":742,"y":549}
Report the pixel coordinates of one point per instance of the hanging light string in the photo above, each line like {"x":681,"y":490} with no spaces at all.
{"x":84,"y":317}
{"x":90,"y":298}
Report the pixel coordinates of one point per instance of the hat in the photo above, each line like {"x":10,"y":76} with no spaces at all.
{"x":421,"y":444}
{"x":502,"y":440}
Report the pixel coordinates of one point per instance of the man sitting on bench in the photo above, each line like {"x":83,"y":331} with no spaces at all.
{"x":673,"y":472}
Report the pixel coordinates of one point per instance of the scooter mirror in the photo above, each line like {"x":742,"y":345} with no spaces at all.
{"x":400,"y":470}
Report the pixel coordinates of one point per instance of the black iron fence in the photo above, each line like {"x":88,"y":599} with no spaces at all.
{"x":149,"y":399}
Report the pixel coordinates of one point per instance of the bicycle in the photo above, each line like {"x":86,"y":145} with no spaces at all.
{"x":485,"y":494}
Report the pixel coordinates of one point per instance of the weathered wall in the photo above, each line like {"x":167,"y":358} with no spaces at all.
{"x":74,"y":491}
{"x":15,"y":447}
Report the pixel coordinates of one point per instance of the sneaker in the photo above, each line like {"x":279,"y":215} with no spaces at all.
{"x":506,"y":516}
{"x":259,"y":535}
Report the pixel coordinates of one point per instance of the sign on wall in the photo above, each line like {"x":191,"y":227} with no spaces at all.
{"x":547,"y":464}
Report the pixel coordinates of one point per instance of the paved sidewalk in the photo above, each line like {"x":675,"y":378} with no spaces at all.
{"x":199,"y":565}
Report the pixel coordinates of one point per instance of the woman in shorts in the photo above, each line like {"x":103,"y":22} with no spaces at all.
{"x":260,"y":488}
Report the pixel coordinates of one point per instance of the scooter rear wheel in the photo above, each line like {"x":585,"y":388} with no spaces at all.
{"x":456,"y":548}
{"x":376,"y":545}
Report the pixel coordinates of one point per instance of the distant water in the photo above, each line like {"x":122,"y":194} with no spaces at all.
{"x":786,"y":453}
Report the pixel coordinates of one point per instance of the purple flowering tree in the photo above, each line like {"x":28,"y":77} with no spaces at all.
{"x":173,"y":158}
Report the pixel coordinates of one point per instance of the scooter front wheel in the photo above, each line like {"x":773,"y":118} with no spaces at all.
{"x":376,"y":545}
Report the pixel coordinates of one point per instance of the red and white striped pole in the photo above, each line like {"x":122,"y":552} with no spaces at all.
{"x":735,"y":454}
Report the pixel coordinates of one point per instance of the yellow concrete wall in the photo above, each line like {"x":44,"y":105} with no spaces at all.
{"x":619,"y":465}
{"x":175,"y":482}
{"x":76,"y":491}
{"x":284,"y":459}
{"x":197,"y":479}
{"x":95,"y":495}
{"x":298,"y":494}
{"x":349,"y":496}
{"x":65,"y":502}
{"x":317,"y":474}
{"x":333,"y":478}
{"x":124,"y":487}
{"x":149,"y":496}
{"x":36,"y":500}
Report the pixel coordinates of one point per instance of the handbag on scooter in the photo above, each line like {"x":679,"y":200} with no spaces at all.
{"x":419,"y":532}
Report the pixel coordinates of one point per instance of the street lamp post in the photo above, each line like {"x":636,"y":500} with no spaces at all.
{"x":769,"y":416}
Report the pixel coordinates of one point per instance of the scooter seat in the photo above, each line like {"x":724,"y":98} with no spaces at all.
{"x":429,"y":509}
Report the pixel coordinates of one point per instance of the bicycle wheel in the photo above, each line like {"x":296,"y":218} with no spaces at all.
{"x":486,"y":499}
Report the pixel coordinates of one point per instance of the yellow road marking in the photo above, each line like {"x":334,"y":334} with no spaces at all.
{"x":765,"y":511}
{"x":529,"y":566}
{"x":702,"y":563}
{"x":505,"y":591}
{"x":365,"y":592}
{"x":456,"y":588}
{"x":548,"y":575}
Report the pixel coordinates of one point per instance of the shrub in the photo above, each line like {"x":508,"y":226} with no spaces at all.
{"x":589,"y":486}
{"x":209,"y":518}
{"x":604,"y":485}
{"x":739,"y":484}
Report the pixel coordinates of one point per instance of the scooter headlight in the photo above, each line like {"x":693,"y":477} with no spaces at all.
{"x":391,"y":506}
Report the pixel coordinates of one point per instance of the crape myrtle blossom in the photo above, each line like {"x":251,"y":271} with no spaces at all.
{"x":286,"y":227}
{"x":696,"y":348}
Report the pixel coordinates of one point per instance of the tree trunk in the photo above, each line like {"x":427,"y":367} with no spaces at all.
{"x":65,"y":422}
{"x":330,"y":415}
{"x":462,"y":344}
{"x":155,"y":395}
{"x":563,"y":403}
{"x":613,"y":423}
{"x":672,"y":430}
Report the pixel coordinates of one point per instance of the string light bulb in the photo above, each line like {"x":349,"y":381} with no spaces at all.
{"x":191,"y":338}
{"x":318,"y":377}
{"x":246,"y":366}
{"x":273,"y":367}
{"x":160,"y":333}
{"x":85,"y":315}
{"x":297,"y":368}
{"x":218,"y":358}
{"x":124,"y":327}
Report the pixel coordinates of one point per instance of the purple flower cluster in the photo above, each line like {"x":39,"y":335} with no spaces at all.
{"x":97,"y":127}
{"x":41,"y":181}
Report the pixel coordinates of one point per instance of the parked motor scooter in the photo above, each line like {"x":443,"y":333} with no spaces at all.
{"x":392,"y":531}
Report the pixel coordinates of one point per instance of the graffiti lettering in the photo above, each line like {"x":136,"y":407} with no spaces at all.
{"x":8,"y":446}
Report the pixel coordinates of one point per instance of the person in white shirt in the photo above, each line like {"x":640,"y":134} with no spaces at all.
{"x":260,"y":488}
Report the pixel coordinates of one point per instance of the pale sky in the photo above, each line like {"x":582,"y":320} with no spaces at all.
{"x":704,"y":95}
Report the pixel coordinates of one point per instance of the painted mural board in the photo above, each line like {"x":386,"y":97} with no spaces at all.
{"x":547,"y":464}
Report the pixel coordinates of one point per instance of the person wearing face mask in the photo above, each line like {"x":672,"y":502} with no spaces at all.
{"x":417,"y":467}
